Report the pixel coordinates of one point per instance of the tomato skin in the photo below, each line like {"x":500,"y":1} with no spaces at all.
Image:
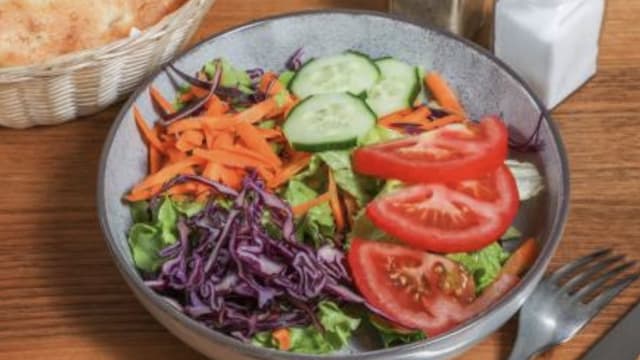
{"x":440,"y":308}
{"x":482,"y":221}
{"x":483,"y":152}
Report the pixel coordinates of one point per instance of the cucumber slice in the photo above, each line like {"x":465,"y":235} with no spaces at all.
{"x":397,"y":88}
{"x":328,"y":122}
{"x":348,"y":72}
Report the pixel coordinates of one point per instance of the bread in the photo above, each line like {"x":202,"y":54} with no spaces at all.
{"x":34,"y":31}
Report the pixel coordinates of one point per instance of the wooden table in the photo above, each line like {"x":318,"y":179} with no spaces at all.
{"x":61,"y":296}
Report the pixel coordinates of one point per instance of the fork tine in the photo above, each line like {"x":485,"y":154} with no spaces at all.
{"x":589,"y":289}
{"x":577,"y":280}
{"x":603,"y":299}
{"x":570,"y":267}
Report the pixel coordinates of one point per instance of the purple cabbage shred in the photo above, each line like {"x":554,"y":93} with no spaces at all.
{"x":228,"y":272}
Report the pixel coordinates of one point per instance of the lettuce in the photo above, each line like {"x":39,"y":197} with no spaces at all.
{"x":484,"y":264}
{"x":338,"y":328}
{"x":394,"y":336}
{"x":317,"y":226}
{"x":151,"y":233}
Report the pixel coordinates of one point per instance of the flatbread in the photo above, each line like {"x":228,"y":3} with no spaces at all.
{"x":34,"y":31}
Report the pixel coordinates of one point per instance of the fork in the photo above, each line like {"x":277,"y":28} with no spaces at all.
{"x":557,"y":311}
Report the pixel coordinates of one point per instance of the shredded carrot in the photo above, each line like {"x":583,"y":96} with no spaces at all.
{"x":418,"y":116}
{"x":258,"y":111}
{"x":164,"y":104}
{"x":266,"y":174}
{"x":215,"y":106}
{"x":228,"y":158}
{"x":189,"y":140}
{"x":252,"y":138}
{"x":283,"y":337}
{"x":232,"y":177}
{"x":438,"y":123}
{"x":270,"y":85}
{"x":445,"y":96}
{"x":165,"y":174}
{"x":194,"y":123}
{"x":213,"y":171}
{"x":174,"y":155}
{"x":224,"y":140}
{"x":144,"y":194}
{"x":155,"y":160}
{"x":271,"y":134}
{"x":148,"y":134}
{"x":220,"y":122}
{"x":394,"y":117}
{"x":336,"y":207}
{"x":294,"y":167}
{"x":303,"y":208}
{"x":183,"y":189}
{"x":522,"y":259}
{"x":241,"y":150}
{"x":288,"y":107}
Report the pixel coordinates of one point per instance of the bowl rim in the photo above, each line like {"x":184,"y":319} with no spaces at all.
{"x":539,"y":267}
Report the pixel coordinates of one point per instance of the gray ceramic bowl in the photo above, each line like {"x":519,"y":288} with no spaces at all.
{"x":485,"y":85}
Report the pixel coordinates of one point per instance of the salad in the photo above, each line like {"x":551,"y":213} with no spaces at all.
{"x":291,"y":209}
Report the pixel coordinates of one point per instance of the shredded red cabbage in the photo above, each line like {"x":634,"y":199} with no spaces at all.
{"x":531,"y":144}
{"x":295,"y":61}
{"x":228,"y":272}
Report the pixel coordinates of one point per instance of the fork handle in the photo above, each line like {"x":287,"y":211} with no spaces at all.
{"x":521,"y":351}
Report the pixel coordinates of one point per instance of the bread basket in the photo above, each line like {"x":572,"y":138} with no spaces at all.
{"x":85,"y":82}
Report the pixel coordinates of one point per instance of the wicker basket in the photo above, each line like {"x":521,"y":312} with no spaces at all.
{"x":86,"y":82}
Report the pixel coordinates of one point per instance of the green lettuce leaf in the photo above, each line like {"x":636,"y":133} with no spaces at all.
{"x":394,"y":336}
{"x":362,"y":188}
{"x":148,"y":235}
{"x":338,"y":329}
{"x":317,"y":225}
{"x":145,"y":244}
{"x":188,"y":208}
{"x":286,"y":77}
{"x":379,"y":134}
{"x":484,"y":264}
{"x":231,"y":76}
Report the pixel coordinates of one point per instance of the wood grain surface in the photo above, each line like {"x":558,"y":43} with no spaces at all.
{"x":61,"y":296}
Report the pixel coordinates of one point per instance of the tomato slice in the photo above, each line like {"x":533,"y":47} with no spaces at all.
{"x":419,"y":290}
{"x":451,"y":153}
{"x":449,"y":217}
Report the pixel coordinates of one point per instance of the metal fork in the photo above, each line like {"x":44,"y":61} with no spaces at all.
{"x":557,"y":311}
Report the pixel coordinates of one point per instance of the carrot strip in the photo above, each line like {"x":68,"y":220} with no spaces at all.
{"x":166,"y":106}
{"x":237,"y":149}
{"x":194,"y":123}
{"x":190,"y":140}
{"x":183,"y":189}
{"x":270,"y":134}
{"x":220,"y":122}
{"x":445,"y":96}
{"x":224,"y":140}
{"x":254,"y":141}
{"x":266,"y":174}
{"x":288,"y":107}
{"x":232,"y":177}
{"x":394,"y":117}
{"x":175,"y":155}
{"x":213,"y":171}
{"x":144,"y":194}
{"x":148,"y":135}
{"x":418,"y":116}
{"x":303,"y":208}
{"x":336,"y":208}
{"x":270,"y":85}
{"x":166,"y":174}
{"x":283,"y":337}
{"x":258,"y":111}
{"x":215,"y":106}
{"x":522,"y":259}
{"x":290,"y":170}
{"x":438,"y":123}
{"x":228,"y":158}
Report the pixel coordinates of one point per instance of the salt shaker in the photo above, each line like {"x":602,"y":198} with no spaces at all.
{"x":552,"y":44}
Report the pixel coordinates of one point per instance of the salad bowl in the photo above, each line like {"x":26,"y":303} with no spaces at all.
{"x":485,"y":86}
